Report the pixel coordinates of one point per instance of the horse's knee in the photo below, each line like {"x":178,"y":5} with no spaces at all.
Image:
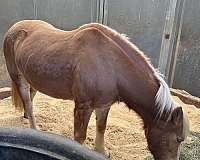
{"x":101,"y":128}
{"x":101,"y":119}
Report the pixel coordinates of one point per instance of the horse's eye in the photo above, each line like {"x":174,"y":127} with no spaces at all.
{"x":180,"y":139}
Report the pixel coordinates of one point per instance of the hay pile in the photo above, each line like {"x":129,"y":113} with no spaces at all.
{"x":124,"y":135}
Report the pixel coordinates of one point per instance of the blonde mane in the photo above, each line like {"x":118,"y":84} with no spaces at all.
{"x":163,"y":100}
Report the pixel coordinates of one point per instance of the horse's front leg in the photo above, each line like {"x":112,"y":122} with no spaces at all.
{"x":82,"y":114}
{"x":101,"y":120}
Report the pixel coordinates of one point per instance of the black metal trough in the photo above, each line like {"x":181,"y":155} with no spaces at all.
{"x":29,"y":144}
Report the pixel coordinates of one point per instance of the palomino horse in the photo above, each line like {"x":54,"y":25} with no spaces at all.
{"x":95,"y":66}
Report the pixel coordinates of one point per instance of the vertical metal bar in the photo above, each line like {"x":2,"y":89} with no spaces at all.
{"x":178,"y":34}
{"x":105,"y":16}
{"x":167,"y":39}
{"x":92,"y":14}
{"x":98,"y":4}
{"x":101,"y":11}
{"x":35,"y":9}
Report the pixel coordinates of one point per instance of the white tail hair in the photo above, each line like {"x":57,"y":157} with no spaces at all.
{"x":163,"y":99}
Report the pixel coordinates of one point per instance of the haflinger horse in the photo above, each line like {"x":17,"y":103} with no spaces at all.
{"x":95,"y":66}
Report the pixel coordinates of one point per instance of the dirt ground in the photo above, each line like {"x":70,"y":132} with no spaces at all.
{"x":124,"y":135}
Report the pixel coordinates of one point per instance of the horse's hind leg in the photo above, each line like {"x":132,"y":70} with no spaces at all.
{"x":82,"y":113}
{"x":24,"y":92}
{"x":32,"y":95}
{"x":101,"y":120}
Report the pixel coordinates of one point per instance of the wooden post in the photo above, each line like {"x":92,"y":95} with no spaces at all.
{"x":186,"y":97}
{"x":5,"y":92}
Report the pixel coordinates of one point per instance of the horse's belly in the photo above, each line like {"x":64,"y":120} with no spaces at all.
{"x":49,"y":76}
{"x":54,"y":89}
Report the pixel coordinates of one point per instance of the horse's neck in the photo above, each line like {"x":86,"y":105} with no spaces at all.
{"x":139,"y":94}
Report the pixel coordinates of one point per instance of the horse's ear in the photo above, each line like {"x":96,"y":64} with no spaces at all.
{"x":177,"y":116}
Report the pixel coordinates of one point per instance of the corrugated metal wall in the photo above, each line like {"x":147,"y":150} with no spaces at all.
{"x":145,"y":22}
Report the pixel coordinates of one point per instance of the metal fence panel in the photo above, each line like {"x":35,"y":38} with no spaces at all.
{"x":66,"y":14}
{"x":187,"y":72}
{"x":143,"y":21}
{"x":10,"y":12}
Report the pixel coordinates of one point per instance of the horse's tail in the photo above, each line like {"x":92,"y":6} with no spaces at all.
{"x":9,"y":53}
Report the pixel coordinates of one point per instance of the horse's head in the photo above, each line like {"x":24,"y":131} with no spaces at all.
{"x":164,"y":138}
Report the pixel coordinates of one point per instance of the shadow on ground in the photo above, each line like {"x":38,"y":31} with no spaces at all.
{"x":189,"y":150}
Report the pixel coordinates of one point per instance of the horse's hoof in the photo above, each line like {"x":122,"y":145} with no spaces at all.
{"x":25,"y":116}
{"x":106,"y":154}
